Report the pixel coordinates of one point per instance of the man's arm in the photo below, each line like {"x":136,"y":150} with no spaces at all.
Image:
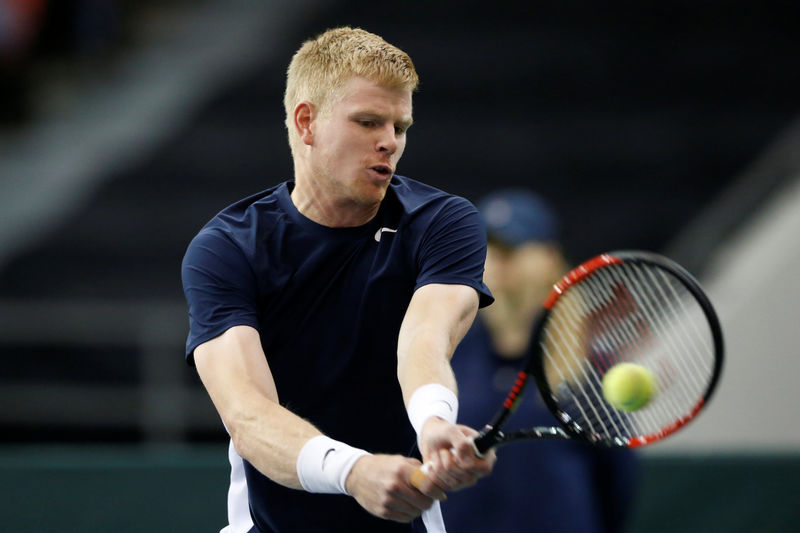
{"x":236,"y":375}
{"x":437,"y":318}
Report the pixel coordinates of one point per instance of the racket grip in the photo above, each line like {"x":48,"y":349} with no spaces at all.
{"x":419,"y":476}
{"x":485,"y":440}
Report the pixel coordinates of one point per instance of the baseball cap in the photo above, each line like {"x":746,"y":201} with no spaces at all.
{"x":517,"y":216}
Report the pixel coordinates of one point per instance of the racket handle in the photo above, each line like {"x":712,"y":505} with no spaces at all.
{"x":487,"y":438}
{"x":419,"y":476}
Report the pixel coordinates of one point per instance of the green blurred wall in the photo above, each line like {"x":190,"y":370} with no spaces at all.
{"x":113,"y":490}
{"x":719,"y":493}
{"x":141,"y":489}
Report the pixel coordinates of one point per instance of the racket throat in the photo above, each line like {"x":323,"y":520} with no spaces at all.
{"x":488,"y":437}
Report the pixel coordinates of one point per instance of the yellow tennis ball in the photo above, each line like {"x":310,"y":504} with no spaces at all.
{"x":628,"y":386}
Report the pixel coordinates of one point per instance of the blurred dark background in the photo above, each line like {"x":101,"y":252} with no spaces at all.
{"x":125,"y":126}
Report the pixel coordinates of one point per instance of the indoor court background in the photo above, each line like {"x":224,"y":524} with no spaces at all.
{"x":125,"y":126}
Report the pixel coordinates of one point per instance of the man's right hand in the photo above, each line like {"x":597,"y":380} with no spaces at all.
{"x":380,"y":484}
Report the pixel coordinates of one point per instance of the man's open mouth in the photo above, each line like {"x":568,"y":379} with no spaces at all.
{"x":382,"y":169}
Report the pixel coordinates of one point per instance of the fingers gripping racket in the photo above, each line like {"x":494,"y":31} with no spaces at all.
{"x":620,"y":307}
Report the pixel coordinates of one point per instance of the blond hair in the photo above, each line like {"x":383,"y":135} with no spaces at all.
{"x":323,"y":64}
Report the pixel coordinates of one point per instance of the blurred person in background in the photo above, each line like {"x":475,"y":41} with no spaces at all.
{"x":557,"y":486}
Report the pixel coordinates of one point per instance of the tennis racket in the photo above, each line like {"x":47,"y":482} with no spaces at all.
{"x":619,"y":307}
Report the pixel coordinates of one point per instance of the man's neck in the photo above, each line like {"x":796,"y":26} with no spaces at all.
{"x":509,"y":328}
{"x":325,"y":208}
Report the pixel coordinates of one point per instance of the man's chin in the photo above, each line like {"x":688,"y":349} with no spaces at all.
{"x":375,"y":193}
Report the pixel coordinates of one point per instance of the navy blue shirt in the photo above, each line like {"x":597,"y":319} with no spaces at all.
{"x":543,"y":486}
{"x":328,"y":304}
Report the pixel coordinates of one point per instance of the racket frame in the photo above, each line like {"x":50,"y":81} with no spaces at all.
{"x":492,"y":435}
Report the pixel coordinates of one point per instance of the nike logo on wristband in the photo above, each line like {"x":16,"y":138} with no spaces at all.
{"x":325,"y":457}
{"x":450,"y":407}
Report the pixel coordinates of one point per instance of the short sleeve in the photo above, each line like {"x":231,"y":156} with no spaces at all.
{"x":219,"y":286}
{"x":453,"y":250}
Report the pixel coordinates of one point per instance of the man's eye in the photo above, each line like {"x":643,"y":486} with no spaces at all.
{"x":367,"y":123}
{"x":399,"y":130}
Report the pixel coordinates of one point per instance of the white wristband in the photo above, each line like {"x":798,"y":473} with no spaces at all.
{"x":430,"y":400}
{"x":324,"y":464}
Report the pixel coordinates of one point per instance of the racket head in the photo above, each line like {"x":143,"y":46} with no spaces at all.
{"x":626,"y":306}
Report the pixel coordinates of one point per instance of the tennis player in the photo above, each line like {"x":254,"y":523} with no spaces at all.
{"x":324,"y":312}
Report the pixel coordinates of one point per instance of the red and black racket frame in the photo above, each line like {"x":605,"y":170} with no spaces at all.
{"x":533,"y":366}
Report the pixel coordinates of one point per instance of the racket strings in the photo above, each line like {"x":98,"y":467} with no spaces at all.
{"x":680,"y":341}
{"x":621,"y":335}
{"x":615,"y":333}
{"x":637,"y":313}
{"x":650,"y":303}
{"x":598,"y":418}
{"x":570,"y":370}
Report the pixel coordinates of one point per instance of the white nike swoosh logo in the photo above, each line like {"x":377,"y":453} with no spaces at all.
{"x":380,"y":231}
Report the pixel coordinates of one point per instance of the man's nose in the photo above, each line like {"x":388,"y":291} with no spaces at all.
{"x":387,"y":140}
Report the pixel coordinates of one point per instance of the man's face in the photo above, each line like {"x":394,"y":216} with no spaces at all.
{"x":524,"y":274}
{"x":359,"y":142}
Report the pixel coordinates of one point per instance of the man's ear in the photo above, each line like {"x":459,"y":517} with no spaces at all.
{"x":304,"y":115}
